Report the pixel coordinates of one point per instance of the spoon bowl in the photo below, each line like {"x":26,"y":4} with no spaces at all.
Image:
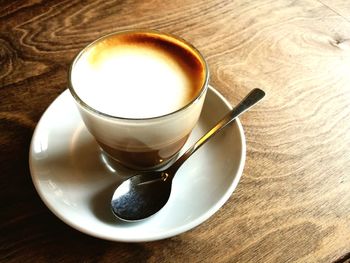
{"x":141,"y":196}
{"x":144,"y":194}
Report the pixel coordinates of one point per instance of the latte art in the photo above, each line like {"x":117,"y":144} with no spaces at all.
{"x":135,"y":76}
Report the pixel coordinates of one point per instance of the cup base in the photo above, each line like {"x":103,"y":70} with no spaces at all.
{"x":117,"y":165}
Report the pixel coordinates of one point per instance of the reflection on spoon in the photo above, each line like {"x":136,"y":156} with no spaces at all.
{"x":144,"y":194}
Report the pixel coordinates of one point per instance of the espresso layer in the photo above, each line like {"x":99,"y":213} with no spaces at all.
{"x":145,"y":156}
{"x":138,"y":75}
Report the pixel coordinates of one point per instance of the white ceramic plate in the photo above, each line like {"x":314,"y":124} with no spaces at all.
{"x":75,"y":183}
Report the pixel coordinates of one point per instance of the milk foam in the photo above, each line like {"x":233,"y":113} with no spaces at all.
{"x":131,"y":81}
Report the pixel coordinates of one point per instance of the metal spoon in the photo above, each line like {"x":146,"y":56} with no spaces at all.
{"x":144,"y":194}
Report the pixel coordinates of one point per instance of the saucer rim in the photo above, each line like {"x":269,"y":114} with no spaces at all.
{"x":156,"y":236}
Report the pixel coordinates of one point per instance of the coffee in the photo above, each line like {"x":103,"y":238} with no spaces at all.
{"x":144,"y":156}
{"x":138,"y":75}
{"x":140,"y":94}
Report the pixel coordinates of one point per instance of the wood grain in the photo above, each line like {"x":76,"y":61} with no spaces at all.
{"x":340,"y":7}
{"x":293,"y":202}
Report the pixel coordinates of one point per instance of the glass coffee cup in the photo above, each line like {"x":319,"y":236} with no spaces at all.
{"x":140,"y":94}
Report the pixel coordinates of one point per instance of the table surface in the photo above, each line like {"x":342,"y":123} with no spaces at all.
{"x":293,"y":201}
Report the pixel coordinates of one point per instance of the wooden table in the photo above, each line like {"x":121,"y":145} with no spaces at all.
{"x":293,"y":201}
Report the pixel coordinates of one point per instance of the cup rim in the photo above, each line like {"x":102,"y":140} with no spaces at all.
{"x":86,"y":106}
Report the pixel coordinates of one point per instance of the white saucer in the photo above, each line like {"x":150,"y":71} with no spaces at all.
{"x":75,"y":183}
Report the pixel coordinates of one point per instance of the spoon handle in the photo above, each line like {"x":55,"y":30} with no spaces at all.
{"x":252,"y":98}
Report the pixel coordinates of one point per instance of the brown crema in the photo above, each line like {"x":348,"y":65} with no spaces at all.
{"x":170,"y":70}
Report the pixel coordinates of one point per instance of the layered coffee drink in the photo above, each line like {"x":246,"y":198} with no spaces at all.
{"x":140,"y":94}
